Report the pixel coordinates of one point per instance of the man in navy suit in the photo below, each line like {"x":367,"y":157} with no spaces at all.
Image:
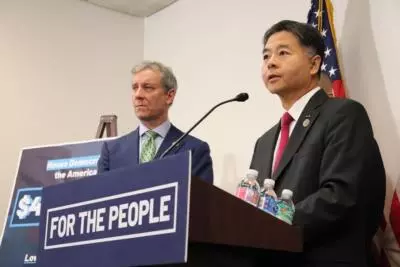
{"x":154,"y":88}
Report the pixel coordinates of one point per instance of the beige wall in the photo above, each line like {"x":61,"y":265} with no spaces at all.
{"x":62,"y":64}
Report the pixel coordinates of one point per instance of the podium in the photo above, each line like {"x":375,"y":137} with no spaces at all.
{"x":226,"y":231}
{"x":168,"y":219}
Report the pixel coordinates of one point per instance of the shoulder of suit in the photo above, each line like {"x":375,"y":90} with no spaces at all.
{"x":121,"y":139}
{"x":195,"y":140}
{"x":190,"y":139}
{"x":345,"y":105}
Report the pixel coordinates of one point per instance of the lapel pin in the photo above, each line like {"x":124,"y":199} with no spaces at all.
{"x":306,"y":122}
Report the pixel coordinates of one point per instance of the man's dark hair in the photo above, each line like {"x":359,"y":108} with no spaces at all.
{"x":307,"y":35}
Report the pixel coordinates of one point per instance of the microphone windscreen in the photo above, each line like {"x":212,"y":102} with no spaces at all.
{"x":242,"y":97}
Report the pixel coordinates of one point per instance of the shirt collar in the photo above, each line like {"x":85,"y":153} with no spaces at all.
{"x":162,"y":129}
{"x":298,"y":107}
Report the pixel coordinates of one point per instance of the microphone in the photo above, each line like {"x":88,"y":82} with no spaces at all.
{"x":239,"y":98}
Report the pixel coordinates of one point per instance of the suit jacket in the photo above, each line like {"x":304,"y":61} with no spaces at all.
{"x":124,"y":151}
{"x":333,"y":165}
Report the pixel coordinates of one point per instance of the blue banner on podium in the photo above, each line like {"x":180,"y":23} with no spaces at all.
{"x":128,"y":217}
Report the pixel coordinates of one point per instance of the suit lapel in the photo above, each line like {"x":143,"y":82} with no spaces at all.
{"x":303,"y":126}
{"x":172,"y":135}
{"x":134,"y":141}
{"x":269,"y":151}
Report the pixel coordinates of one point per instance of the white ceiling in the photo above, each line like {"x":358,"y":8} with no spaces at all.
{"x":138,"y":8}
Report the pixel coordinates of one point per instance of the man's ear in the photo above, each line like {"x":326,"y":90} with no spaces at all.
{"x":171,"y":96}
{"x":316,"y":63}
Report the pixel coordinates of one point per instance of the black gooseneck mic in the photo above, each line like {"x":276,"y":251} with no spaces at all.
{"x":239,"y":98}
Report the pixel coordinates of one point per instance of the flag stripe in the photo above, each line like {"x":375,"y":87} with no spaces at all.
{"x":338,"y":89}
{"x":395,"y":217}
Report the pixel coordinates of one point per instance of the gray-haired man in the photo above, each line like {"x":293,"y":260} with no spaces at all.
{"x":154,"y":88}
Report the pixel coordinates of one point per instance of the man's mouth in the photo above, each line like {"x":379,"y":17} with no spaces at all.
{"x":273,"y":77}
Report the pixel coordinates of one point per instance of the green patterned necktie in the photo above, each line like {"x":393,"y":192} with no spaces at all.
{"x":149,"y":147}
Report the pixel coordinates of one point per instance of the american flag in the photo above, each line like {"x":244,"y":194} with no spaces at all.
{"x":320,"y":16}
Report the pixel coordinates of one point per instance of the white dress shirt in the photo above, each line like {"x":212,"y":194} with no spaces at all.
{"x":295,"y":111}
{"x":162,"y":131}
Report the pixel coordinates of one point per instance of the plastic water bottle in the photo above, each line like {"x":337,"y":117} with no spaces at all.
{"x":268,"y":198}
{"x":286,"y":207}
{"x":249,"y":189}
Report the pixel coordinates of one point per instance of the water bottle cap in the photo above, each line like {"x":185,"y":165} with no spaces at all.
{"x":287,"y":194}
{"x":252,"y":174}
{"x":269,"y":182}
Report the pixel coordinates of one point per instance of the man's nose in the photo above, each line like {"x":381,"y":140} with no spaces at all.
{"x":138,"y":92}
{"x":271,"y":62}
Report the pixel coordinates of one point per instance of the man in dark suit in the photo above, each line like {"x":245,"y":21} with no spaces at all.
{"x":323,"y":149}
{"x":153,"y":91}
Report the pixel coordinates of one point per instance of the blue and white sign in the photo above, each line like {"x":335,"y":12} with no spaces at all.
{"x":39,"y":167}
{"x":134,"y":214}
{"x":26,"y":211}
{"x":128,"y":217}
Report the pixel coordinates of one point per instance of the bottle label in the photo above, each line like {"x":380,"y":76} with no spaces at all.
{"x":285,"y":212}
{"x":248,"y":195}
{"x":269,"y":204}
{"x":241,"y":192}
